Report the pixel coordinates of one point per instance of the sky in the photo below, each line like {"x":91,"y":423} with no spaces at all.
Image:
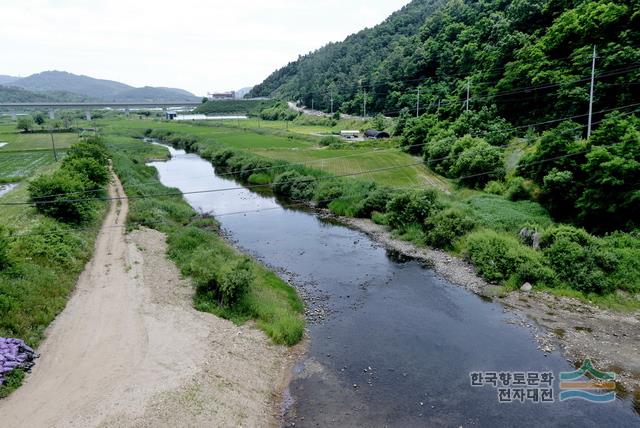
{"x":198,"y":45}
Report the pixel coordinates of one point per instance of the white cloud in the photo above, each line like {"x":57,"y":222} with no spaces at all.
{"x":197,"y":45}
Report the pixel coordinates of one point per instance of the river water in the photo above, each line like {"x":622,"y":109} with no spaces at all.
{"x":390,"y":342}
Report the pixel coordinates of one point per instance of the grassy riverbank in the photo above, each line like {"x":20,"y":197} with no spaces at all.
{"x":198,"y":250}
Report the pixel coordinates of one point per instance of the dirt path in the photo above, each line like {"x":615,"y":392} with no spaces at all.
{"x":129,"y":349}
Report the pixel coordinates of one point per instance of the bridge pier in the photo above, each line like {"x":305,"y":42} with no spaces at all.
{"x":87,"y":114}
{"x":52,"y":114}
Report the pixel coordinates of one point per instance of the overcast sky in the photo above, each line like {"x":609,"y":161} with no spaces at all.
{"x":197,"y":45}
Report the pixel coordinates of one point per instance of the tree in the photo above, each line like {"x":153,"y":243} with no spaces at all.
{"x":39,"y":119}
{"x":479,"y":164}
{"x":611,"y":196}
{"x":25,"y":123}
{"x":205,"y":100}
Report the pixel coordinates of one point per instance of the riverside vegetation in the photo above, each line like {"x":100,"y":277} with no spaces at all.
{"x":484,"y":228}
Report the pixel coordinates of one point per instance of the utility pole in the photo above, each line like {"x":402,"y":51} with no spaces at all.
{"x":311,"y":103}
{"x":418,"y":104}
{"x":53,"y":144}
{"x":364,"y":104}
{"x":593,"y":79}
{"x":331,"y":102}
{"x":468,"y":92}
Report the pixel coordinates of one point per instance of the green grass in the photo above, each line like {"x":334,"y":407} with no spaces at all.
{"x":274,"y":305}
{"x":498,"y":213}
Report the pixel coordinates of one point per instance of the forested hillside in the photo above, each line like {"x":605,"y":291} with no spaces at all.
{"x":502,"y":89}
{"x":10,"y":94}
{"x":532,"y":59}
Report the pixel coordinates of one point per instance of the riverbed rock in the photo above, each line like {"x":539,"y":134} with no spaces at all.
{"x":526,"y":287}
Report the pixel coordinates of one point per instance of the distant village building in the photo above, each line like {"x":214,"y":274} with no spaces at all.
{"x":350,"y":135}
{"x":372,"y":134}
{"x":170,"y":115}
{"x":222,"y":96}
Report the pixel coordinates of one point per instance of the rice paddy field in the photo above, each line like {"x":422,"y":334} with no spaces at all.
{"x":269,"y":139}
{"x":23,"y":154}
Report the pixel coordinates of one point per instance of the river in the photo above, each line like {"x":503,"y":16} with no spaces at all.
{"x":390,"y":342}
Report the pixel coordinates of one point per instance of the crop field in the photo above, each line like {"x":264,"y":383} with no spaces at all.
{"x":344,"y":162}
{"x":292,"y":148}
{"x":35,"y":141}
{"x":15,"y":166}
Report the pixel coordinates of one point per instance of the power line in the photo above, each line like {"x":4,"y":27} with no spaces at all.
{"x":170,"y":194}
{"x":231,"y":175}
{"x":306,"y":203}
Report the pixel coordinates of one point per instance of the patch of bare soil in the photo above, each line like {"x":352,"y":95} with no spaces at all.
{"x":611,"y":339}
{"x":129,"y":350}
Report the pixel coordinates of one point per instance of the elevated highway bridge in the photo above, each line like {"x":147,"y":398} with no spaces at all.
{"x":14,"y":108}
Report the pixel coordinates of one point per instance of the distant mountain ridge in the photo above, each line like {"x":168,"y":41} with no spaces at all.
{"x":4,"y":80}
{"x":52,"y":85}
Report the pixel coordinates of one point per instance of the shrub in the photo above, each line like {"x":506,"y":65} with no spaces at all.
{"x":329,"y":141}
{"x":376,"y":200}
{"x":582,"y":261}
{"x":60,"y":195}
{"x":96,"y":174}
{"x":91,"y":148}
{"x":478,"y":163}
{"x":379,"y":218}
{"x":499,"y":257}
{"x":626,"y":247}
{"x":220,"y":157}
{"x":438,"y":154}
{"x":295,"y":185}
{"x":260,"y":178}
{"x":519,"y":189}
{"x":443,"y":228}
{"x":235,"y":279}
{"x":495,"y":188}
{"x":412,"y":207}
{"x":327,"y":191}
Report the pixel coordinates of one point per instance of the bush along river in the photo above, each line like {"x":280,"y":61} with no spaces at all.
{"x":390,"y":343}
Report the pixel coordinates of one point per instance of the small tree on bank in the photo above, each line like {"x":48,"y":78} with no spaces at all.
{"x":25,"y":123}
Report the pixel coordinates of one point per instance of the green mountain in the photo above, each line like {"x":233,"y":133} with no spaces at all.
{"x":532,"y":59}
{"x":9,"y":94}
{"x":86,"y":87}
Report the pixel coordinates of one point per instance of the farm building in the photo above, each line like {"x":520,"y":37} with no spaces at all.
{"x":350,"y":135}
{"x":221,"y":96}
{"x":376,"y":135}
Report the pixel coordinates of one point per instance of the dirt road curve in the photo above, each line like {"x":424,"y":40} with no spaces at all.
{"x":129,"y":350}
